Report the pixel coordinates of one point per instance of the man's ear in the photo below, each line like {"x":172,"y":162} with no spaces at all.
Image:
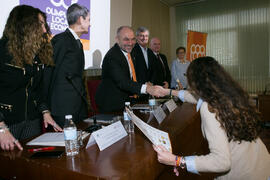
{"x":79,"y":20}
{"x":116,"y":39}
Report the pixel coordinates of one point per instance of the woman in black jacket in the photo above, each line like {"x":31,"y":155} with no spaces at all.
{"x":25,"y":51}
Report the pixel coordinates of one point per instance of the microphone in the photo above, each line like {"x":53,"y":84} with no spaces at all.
{"x":95,"y":126}
{"x":69,"y":77}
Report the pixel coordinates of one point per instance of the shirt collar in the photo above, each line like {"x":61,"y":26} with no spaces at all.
{"x":155,"y":53}
{"x":73,"y":33}
{"x":185,"y":61}
{"x":143,"y":49}
{"x":124,"y":52}
{"x":199,"y":104}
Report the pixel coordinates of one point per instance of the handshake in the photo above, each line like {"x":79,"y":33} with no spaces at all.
{"x":157,"y":91}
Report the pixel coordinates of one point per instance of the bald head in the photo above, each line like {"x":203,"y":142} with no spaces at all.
{"x":125,"y":38}
{"x":155,"y":45}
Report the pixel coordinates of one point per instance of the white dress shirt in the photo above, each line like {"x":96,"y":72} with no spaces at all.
{"x":144,"y":51}
{"x":143,"y":88}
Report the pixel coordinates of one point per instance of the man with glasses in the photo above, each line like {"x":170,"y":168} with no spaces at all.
{"x":144,"y":57}
{"x":119,"y":81}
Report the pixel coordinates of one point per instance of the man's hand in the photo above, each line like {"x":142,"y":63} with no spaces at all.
{"x":157,"y":91}
{"x":166,"y":85}
{"x":49,"y":120}
{"x":149,"y":84}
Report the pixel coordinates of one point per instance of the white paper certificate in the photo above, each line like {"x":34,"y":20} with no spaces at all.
{"x":156,"y":136}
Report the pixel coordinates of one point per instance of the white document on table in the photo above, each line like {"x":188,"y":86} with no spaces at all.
{"x":51,"y":139}
{"x":171,"y":105}
{"x":156,"y":136}
{"x":48,"y":139}
{"x":159,"y":114}
{"x":107,"y":136}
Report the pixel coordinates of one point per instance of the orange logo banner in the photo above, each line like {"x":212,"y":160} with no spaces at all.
{"x":196,"y":45}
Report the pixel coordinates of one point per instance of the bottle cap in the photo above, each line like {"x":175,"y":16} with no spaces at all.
{"x":68,"y":116}
{"x":127,"y":103}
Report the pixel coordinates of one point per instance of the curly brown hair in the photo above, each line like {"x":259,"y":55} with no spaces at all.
{"x":26,"y":38}
{"x":225,"y":97}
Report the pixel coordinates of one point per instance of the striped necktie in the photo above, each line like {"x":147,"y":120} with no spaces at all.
{"x":164,"y":70}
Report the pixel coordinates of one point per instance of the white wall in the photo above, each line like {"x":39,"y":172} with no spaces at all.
{"x":100,"y":31}
{"x":121,"y":15}
{"x":173,"y":33}
{"x":5,"y":10}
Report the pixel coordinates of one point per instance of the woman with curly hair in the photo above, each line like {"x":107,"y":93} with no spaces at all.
{"x":229,"y":122}
{"x":25,"y":51}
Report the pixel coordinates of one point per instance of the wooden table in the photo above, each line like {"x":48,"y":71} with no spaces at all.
{"x":130,"y":158}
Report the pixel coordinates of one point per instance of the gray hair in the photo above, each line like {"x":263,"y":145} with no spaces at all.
{"x":74,"y":12}
{"x":120,"y":29}
{"x":141,"y":29}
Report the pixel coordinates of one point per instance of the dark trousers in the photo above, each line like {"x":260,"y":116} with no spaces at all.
{"x":26,"y":129}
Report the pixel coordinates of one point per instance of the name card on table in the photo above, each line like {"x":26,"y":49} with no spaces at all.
{"x":107,"y":136}
{"x":171,"y":105}
{"x":159,"y":114}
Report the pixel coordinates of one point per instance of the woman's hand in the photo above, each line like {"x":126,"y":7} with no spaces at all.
{"x":8,"y":142}
{"x":164,"y":156}
{"x":49,"y":120}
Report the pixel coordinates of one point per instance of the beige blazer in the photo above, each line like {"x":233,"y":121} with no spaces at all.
{"x":244,"y":161}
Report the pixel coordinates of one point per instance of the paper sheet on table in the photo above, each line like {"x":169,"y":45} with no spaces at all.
{"x":156,"y":136}
{"x":51,"y":139}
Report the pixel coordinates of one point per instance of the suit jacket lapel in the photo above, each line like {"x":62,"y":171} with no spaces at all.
{"x":122,"y":58}
{"x":142,"y":56}
{"x":75,"y":43}
{"x":149,"y":58}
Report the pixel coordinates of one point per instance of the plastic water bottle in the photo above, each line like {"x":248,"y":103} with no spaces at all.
{"x":177,"y":87}
{"x":128,"y":123}
{"x":152,"y":103}
{"x":70,"y":134}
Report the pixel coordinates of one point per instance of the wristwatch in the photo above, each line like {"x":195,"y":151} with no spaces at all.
{"x":183,"y":163}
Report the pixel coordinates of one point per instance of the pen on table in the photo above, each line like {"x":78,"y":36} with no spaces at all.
{"x":42,"y":149}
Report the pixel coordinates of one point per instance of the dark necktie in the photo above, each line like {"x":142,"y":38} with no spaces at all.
{"x":164,"y":70}
{"x":79,"y":43}
{"x":81,"y":48}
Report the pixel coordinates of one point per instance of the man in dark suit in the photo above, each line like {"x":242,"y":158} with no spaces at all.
{"x":144,"y":57}
{"x":67,"y":93}
{"x":119,"y":80}
{"x":163,"y":75}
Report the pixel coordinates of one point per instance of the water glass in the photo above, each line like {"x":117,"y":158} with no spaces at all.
{"x":80,"y":138}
